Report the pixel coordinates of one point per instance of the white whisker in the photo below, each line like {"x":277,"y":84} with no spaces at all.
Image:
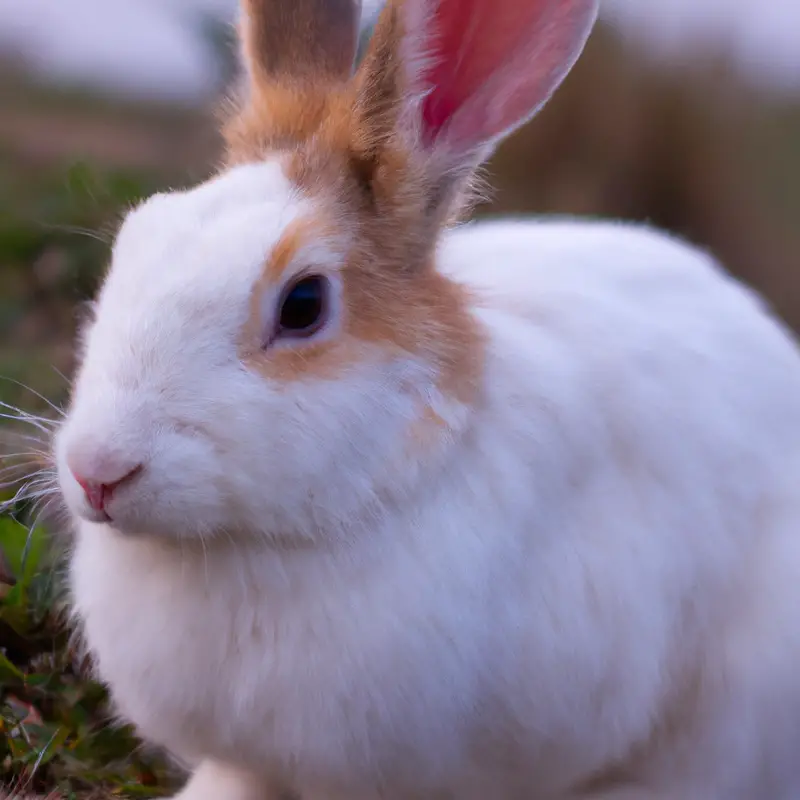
{"x":27,"y":498}
{"x":59,"y":411}
{"x":36,"y":514}
{"x":78,"y":230}
{"x":45,"y":482}
{"x":23,"y":414}
{"x":31,"y":421}
{"x":40,"y":509}
{"x":30,"y":489}
{"x":27,"y":469}
{"x":30,"y":455}
{"x":8,"y":484}
{"x":15,"y":435}
{"x":59,"y":373}
{"x":10,"y":469}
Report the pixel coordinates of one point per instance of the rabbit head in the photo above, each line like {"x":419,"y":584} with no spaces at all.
{"x":274,"y":352}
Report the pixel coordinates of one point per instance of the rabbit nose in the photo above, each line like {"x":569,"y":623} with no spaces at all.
{"x":99,"y":489}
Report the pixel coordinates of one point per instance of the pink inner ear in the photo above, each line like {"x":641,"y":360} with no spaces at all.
{"x":494,"y":62}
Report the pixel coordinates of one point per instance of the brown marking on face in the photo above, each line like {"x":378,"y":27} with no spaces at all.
{"x":280,"y":117}
{"x":384,"y":316}
{"x":297,"y":237}
{"x":297,"y":234}
{"x":349,"y":149}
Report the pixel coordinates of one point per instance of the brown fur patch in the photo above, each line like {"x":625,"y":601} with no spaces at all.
{"x":348,"y":149}
{"x":423,"y":316}
{"x":279,"y":117}
{"x":313,"y":38}
{"x":300,"y":232}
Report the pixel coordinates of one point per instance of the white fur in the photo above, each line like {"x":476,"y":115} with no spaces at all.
{"x":610,"y":533}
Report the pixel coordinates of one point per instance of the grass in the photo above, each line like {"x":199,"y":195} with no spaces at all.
{"x":54,"y":725}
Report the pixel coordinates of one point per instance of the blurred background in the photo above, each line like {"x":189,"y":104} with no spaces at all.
{"x":683,"y":113}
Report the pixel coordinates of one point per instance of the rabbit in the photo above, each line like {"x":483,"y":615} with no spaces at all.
{"x":374,"y":501}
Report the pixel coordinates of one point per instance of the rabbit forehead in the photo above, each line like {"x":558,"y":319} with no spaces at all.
{"x":206,"y":246}
{"x":174,"y":235}
{"x":185,"y":265}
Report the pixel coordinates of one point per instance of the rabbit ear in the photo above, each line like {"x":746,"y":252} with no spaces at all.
{"x":494,"y":64}
{"x":306,"y":40}
{"x":470,"y":71}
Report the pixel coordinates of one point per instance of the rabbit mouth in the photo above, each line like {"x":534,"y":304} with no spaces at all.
{"x":90,"y":515}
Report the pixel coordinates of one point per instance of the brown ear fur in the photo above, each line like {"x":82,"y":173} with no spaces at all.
{"x":366,"y":127}
{"x":300,"y":39}
{"x":296,"y":53}
{"x":386,"y":139}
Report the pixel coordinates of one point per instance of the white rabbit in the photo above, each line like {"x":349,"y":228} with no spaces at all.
{"x":371,"y":505}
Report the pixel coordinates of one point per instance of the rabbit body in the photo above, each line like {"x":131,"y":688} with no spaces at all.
{"x":591,"y":593}
{"x":371,"y":506}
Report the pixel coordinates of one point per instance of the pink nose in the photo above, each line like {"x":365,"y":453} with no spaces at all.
{"x":98,"y":493}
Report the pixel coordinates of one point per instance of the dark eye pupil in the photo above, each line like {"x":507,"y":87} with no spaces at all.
{"x":303,"y":308}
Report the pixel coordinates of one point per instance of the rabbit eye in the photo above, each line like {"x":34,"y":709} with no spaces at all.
{"x":304,"y":307}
